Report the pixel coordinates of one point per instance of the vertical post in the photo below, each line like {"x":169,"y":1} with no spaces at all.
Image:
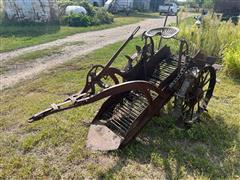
{"x":180,"y":55}
{"x":165,"y":22}
{"x":177,"y":19}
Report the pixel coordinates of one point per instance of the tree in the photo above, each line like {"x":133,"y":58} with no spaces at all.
{"x":208,"y":3}
{"x":203,"y":3}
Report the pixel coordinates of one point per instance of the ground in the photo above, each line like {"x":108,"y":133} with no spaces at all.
{"x":15,"y":36}
{"x":55,"y":147}
{"x":18,"y":65}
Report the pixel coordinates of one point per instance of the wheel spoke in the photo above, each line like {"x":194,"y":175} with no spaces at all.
{"x":192,"y":110}
{"x":208,"y":89}
{"x":203,"y":87}
{"x":198,"y":108}
{"x":205,"y":78}
{"x":201,"y":79}
{"x":185,"y":110}
{"x":184,"y":106}
{"x":206,"y":82}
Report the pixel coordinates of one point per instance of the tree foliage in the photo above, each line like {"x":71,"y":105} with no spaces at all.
{"x":203,"y":3}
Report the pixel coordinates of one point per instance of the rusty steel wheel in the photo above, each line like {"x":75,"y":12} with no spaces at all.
{"x":198,"y":96}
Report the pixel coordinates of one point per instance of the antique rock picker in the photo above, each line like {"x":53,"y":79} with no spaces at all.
{"x":150,"y":79}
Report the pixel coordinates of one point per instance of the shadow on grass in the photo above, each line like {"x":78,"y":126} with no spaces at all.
{"x":236,"y":78}
{"x":141,"y":15}
{"x":33,"y":30}
{"x":207,"y":149}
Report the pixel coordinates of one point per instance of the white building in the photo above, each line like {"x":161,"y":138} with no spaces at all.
{"x":119,"y":5}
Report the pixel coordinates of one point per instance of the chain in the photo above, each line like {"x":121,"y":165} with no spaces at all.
{"x":180,"y":75}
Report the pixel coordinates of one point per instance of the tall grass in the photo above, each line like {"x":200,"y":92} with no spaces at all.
{"x":232,"y":59}
{"x":1,"y":12}
{"x":215,"y":38}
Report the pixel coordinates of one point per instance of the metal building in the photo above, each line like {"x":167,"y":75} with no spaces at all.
{"x":119,"y":5}
{"x":154,"y":4}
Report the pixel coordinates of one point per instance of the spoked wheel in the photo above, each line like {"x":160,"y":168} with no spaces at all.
{"x":198,"y":96}
{"x":94,"y":71}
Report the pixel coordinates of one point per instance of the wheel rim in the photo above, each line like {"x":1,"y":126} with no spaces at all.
{"x":196,"y":102}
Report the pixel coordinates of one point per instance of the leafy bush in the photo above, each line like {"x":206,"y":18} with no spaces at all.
{"x":78,"y":20}
{"x":102,"y":17}
{"x":64,"y":3}
{"x":89,"y":7}
{"x":95,"y":16}
{"x":232,"y":59}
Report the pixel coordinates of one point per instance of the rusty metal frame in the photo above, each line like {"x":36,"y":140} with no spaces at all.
{"x":143,"y":80}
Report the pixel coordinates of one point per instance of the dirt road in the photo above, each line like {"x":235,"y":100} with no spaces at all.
{"x":90,"y":42}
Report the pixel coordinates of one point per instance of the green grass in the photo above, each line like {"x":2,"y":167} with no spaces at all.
{"x":139,"y":15}
{"x":14,"y":37}
{"x":55,"y":146}
{"x":28,"y":57}
{"x":31,"y":56}
{"x":232,"y":59}
{"x":3,"y":70}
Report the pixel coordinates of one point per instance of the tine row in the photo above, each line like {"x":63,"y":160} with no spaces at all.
{"x":162,"y":71}
{"x":120,"y":117}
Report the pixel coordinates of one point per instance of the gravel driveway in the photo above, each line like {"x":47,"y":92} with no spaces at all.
{"x":91,"y":41}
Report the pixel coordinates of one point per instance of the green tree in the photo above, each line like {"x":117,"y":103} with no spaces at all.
{"x":203,"y":3}
{"x":208,"y":3}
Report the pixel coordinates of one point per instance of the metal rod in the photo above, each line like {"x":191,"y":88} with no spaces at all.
{"x":164,"y":25}
{"x":118,"y":52}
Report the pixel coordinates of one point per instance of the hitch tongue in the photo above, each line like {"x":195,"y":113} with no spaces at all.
{"x":75,"y":97}
{"x":70,"y":102}
{"x":40,"y":115}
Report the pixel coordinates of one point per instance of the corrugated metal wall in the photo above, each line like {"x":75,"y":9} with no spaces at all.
{"x":151,"y":5}
{"x":125,"y":3}
{"x":142,"y":4}
{"x":154,"y":4}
